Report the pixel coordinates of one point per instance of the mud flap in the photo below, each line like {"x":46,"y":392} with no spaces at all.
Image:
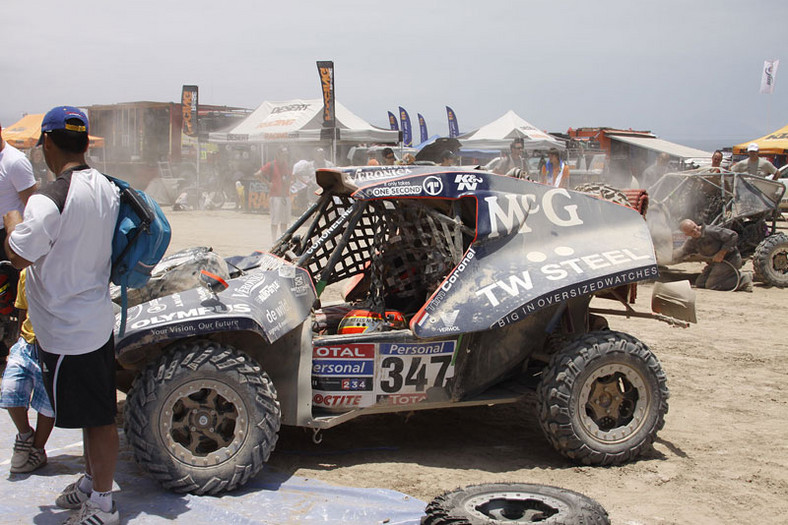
{"x":674,"y":299}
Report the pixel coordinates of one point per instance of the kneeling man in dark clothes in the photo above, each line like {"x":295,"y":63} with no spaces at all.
{"x":719,"y":245}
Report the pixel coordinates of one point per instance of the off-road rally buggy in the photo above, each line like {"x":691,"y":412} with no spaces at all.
{"x":741,"y":202}
{"x":460,"y":288}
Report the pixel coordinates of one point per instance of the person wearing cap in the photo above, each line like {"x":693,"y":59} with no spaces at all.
{"x":514,"y":163}
{"x":64,"y":239}
{"x":755,"y":165}
{"x":279,"y":175}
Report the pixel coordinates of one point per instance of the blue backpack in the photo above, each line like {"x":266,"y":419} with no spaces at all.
{"x":142,"y":235}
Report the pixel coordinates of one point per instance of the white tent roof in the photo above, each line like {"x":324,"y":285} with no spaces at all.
{"x":498,"y":134}
{"x":301,"y":120}
{"x":662,"y":146}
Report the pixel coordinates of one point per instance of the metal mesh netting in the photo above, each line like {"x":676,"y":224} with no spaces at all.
{"x":417,"y":254}
{"x":358,"y":250}
{"x":408,"y":247}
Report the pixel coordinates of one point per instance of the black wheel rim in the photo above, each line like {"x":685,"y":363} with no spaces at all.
{"x":203,"y":423}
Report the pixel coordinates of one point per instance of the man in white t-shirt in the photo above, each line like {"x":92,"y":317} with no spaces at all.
{"x":65,"y":241}
{"x":755,"y":165}
{"x":17,"y":183}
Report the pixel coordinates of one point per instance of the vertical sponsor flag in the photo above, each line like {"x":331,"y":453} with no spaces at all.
{"x":404,"y":118}
{"x":768,"y":76}
{"x":454,"y":128}
{"x":393,"y":124}
{"x":422,"y":128}
{"x":326,"y":70}
{"x":189,"y":109}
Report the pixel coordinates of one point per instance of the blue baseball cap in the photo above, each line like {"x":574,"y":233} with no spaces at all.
{"x":56,"y":119}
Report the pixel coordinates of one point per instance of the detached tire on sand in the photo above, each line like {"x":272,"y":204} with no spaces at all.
{"x":770,"y":260}
{"x":203,"y":419}
{"x":603,"y":399}
{"x":499,"y":503}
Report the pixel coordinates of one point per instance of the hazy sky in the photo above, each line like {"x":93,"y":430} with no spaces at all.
{"x":687,"y":70}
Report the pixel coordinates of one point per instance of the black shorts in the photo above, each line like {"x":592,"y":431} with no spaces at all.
{"x":81,"y":387}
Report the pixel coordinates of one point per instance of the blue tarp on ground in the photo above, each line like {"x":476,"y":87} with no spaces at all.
{"x":271,"y":498}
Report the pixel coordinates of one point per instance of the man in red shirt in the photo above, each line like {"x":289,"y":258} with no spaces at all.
{"x":279,"y":175}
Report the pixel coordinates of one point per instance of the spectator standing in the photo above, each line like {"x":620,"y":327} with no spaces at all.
{"x":655,"y":172}
{"x":515,"y":160}
{"x":40,"y":170}
{"x":716,"y":162}
{"x":389,"y":159}
{"x":65,"y":239}
{"x":447,"y":158}
{"x":279,"y":175}
{"x":755,"y":165}
{"x":17,"y":184}
{"x":23,"y":387}
{"x":555,"y":172}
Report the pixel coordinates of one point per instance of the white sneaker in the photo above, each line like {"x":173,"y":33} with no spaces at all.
{"x":22,"y":448}
{"x":72,"y":497}
{"x":36,"y":459}
{"x":91,"y":514}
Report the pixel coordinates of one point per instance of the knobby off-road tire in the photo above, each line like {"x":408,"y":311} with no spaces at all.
{"x":608,"y":193}
{"x":603,"y":399}
{"x":203,"y":419}
{"x":770,"y":260}
{"x":493,"y":503}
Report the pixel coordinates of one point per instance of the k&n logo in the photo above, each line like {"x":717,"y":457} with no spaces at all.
{"x":467,"y":181}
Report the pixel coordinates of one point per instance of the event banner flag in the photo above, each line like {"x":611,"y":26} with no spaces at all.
{"x":404,"y":118}
{"x":189,"y":109}
{"x":393,"y":124}
{"x":454,"y":128}
{"x":768,"y":77}
{"x":326,"y":70}
{"x":422,"y":128}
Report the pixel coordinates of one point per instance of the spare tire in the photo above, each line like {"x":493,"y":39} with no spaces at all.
{"x":770,"y":260}
{"x":492,"y":503}
{"x":603,"y":191}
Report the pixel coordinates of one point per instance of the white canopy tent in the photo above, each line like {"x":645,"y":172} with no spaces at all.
{"x":301,"y":121}
{"x":499,"y":133}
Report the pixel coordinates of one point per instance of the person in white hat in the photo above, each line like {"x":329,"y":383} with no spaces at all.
{"x":754,"y":165}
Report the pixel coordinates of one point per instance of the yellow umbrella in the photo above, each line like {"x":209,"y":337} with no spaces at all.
{"x":772,"y":144}
{"x":24,"y":133}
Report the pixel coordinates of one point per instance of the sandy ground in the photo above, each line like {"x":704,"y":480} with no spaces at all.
{"x":721,"y":458}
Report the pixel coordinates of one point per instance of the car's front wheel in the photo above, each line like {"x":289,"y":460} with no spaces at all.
{"x":202,"y":419}
{"x":603,"y":399}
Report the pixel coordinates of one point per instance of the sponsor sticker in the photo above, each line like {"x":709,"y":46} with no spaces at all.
{"x":412,"y":368}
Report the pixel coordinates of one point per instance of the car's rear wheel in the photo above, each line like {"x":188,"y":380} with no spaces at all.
{"x":203,"y":419}
{"x":603,"y":399}
{"x":770,"y":260}
{"x":492,"y":503}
